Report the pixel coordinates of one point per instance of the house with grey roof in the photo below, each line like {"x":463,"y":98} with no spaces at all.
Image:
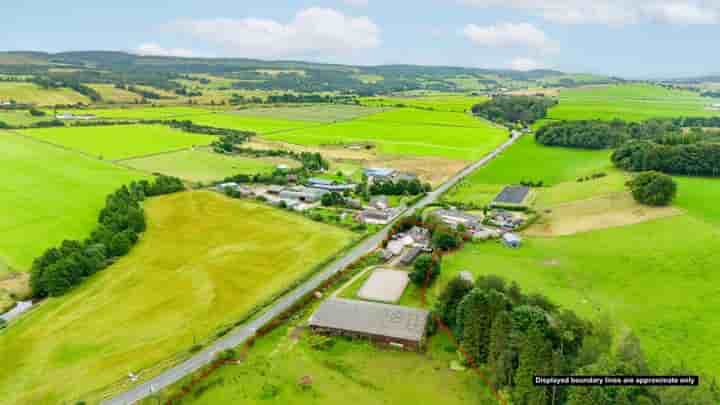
{"x":329,"y":185}
{"x":388,"y":324}
{"x":303,"y":194}
{"x":379,"y":202}
{"x":453,"y":218}
{"x":409,"y":256}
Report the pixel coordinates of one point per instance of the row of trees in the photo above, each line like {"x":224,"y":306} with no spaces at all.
{"x":517,"y":336}
{"x":400,"y":187}
{"x":311,"y":161}
{"x":516,"y":109}
{"x":582,"y":134}
{"x":55,"y":83}
{"x":119,"y":225}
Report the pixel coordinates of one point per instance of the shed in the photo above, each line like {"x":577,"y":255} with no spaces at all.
{"x":511,"y":196}
{"x":466,"y":276}
{"x":410,"y":255}
{"x":511,"y":240}
{"x":380,"y":202}
{"x":382,"y":323}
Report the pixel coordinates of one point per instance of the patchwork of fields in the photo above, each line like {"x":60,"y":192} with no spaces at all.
{"x":30,"y":93}
{"x":120,"y":141}
{"x":635,"y":102}
{"x":204,"y":261}
{"x":53,"y":194}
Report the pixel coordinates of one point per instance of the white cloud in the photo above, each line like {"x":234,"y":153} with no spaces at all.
{"x":312,"y":31}
{"x":614,"y":12}
{"x":153,"y":49}
{"x":510,"y":35}
{"x":525,"y":64}
{"x":356,"y":3}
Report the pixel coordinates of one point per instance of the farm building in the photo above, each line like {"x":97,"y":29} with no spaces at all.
{"x":69,"y":116}
{"x":421,"y":236}
{"x":511,"y":196}
{"x":394,"y":325}
{"x":377,"y":217}
{"x":453,"y":218}
{"x":379,"y":173}
{"x":304,"y":194}
{"x":329,"y":185}
{"x":384,"y":285}
{"x":410,"y":255}
{"x":379,"y":202}
{"x":511,"y":240}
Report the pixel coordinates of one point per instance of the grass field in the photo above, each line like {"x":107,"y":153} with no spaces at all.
{"x":348,"y":373}
{"x":142,"y":113}
{"x":313,"y":113}
{"x":656,"y":278}
{"x":32,"y":94}
{"x":633,"y":102}
{"x":111,"y":94}
{"x":407,"y":132}
{"x":450,"y":102}
{"x":527,"y":160}
{"x":262,"y":124}
{"x":205,"y":165}
{"x":120,"y":141}
{"x":20,"y":117}
{"x":204,"y":261}
{"x":52,"y":194}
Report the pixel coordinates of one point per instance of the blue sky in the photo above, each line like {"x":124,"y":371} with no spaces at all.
{"x":630,"y":38}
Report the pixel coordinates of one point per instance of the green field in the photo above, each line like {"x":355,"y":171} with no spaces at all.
{"x":351,"y":372}
{"x":20,"y":117}
{"x":313,"y":113}
{"x":656,"y":278}
{"x":407,"y":132}
{"x":526,"y":160}
{"x":29,"y":93}
{"x":204,"y":261}
{"x":449,"y":102}
{"x":243,"y":122}
{"x":141,"y":113}
{"x":633,"y":102}
{"x":111,"y":94}
{"x":205,"y":165}
{"x":120,"y":141}
{"x":52,"y":194}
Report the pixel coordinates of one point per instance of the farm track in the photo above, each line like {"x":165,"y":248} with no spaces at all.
{"x":248,"y":330}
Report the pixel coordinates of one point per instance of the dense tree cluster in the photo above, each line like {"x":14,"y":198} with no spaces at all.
{"x":119,"y":224}
{"x":310,"y":161}
{"x":696,"y":159}
{"x":308,"y":98}
{"x":425,"y":270}
{"x":517,"y":336}
{"x":332,"y":199}
{"x":582,"y":134}
{"x":400,"y":187}
{"x":653,"y":188}
{"x":516,"y":109}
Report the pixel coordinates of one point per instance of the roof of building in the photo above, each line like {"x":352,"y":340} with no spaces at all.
{"x":371,"y":318}
{"x":324,"y":182}
{"x":379,"y":171}
{"x":511,"y":238}
{"x":419,"y":234}
{"x":456,"y":214}
{"x":376,"y":214}
{"x":512,"y":195}
{"x":410,"y":255}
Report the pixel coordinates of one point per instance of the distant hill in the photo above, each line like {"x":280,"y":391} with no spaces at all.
{"x":253,"y":74}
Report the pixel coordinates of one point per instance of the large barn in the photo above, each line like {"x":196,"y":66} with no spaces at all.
{"x":394,"y":325}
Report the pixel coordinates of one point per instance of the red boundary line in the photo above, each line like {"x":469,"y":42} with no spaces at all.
{"x":468,"y":358}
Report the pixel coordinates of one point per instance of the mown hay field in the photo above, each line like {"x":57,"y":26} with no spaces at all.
{"x":120,"y":141}
{"x":111,"y":94}
{"x":204,"y":262}
{"x":30,"y":93}
{"x":49,"y":194}
{"x":313,"y":113}
{"x":140,"y":113}
{"x":449,"y":102}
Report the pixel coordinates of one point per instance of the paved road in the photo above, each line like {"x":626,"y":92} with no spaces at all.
{"x":238,"y":336}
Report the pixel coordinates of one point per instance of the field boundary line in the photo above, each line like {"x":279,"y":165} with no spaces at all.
{"x":167,"y":152}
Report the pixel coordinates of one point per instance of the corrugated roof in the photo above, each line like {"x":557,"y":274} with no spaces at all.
{"x":512,"y":195}
{"x":371,"y":318}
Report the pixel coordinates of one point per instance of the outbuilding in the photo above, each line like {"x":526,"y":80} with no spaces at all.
{"x":394,"y":325}
{"x":511,"y":240}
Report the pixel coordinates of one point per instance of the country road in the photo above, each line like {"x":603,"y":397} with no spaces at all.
{"x":240,"y":334}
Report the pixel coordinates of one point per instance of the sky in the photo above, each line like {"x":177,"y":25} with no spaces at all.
{"x":628,"y":38}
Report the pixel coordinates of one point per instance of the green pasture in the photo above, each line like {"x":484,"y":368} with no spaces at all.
{"x":120,"y":141}
{"x":443,"y":102}
{"x":526,"y":160}
{"x":141,"y":113}
{"x":49,"y":194}
{"x":657,"y":279}
{"x":205,"y":165}
{"x":632,"y":102}
{"x":30,"y":93}
{"x":312,"y":113}
{"x":350,"y":372}
{"x":259,"y":124}
{"x":20,"y":117}
{"x":393,"y":133}
{"x":424,"y":117}
{"x":111,"y":94}
{"x":204,"y":262}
